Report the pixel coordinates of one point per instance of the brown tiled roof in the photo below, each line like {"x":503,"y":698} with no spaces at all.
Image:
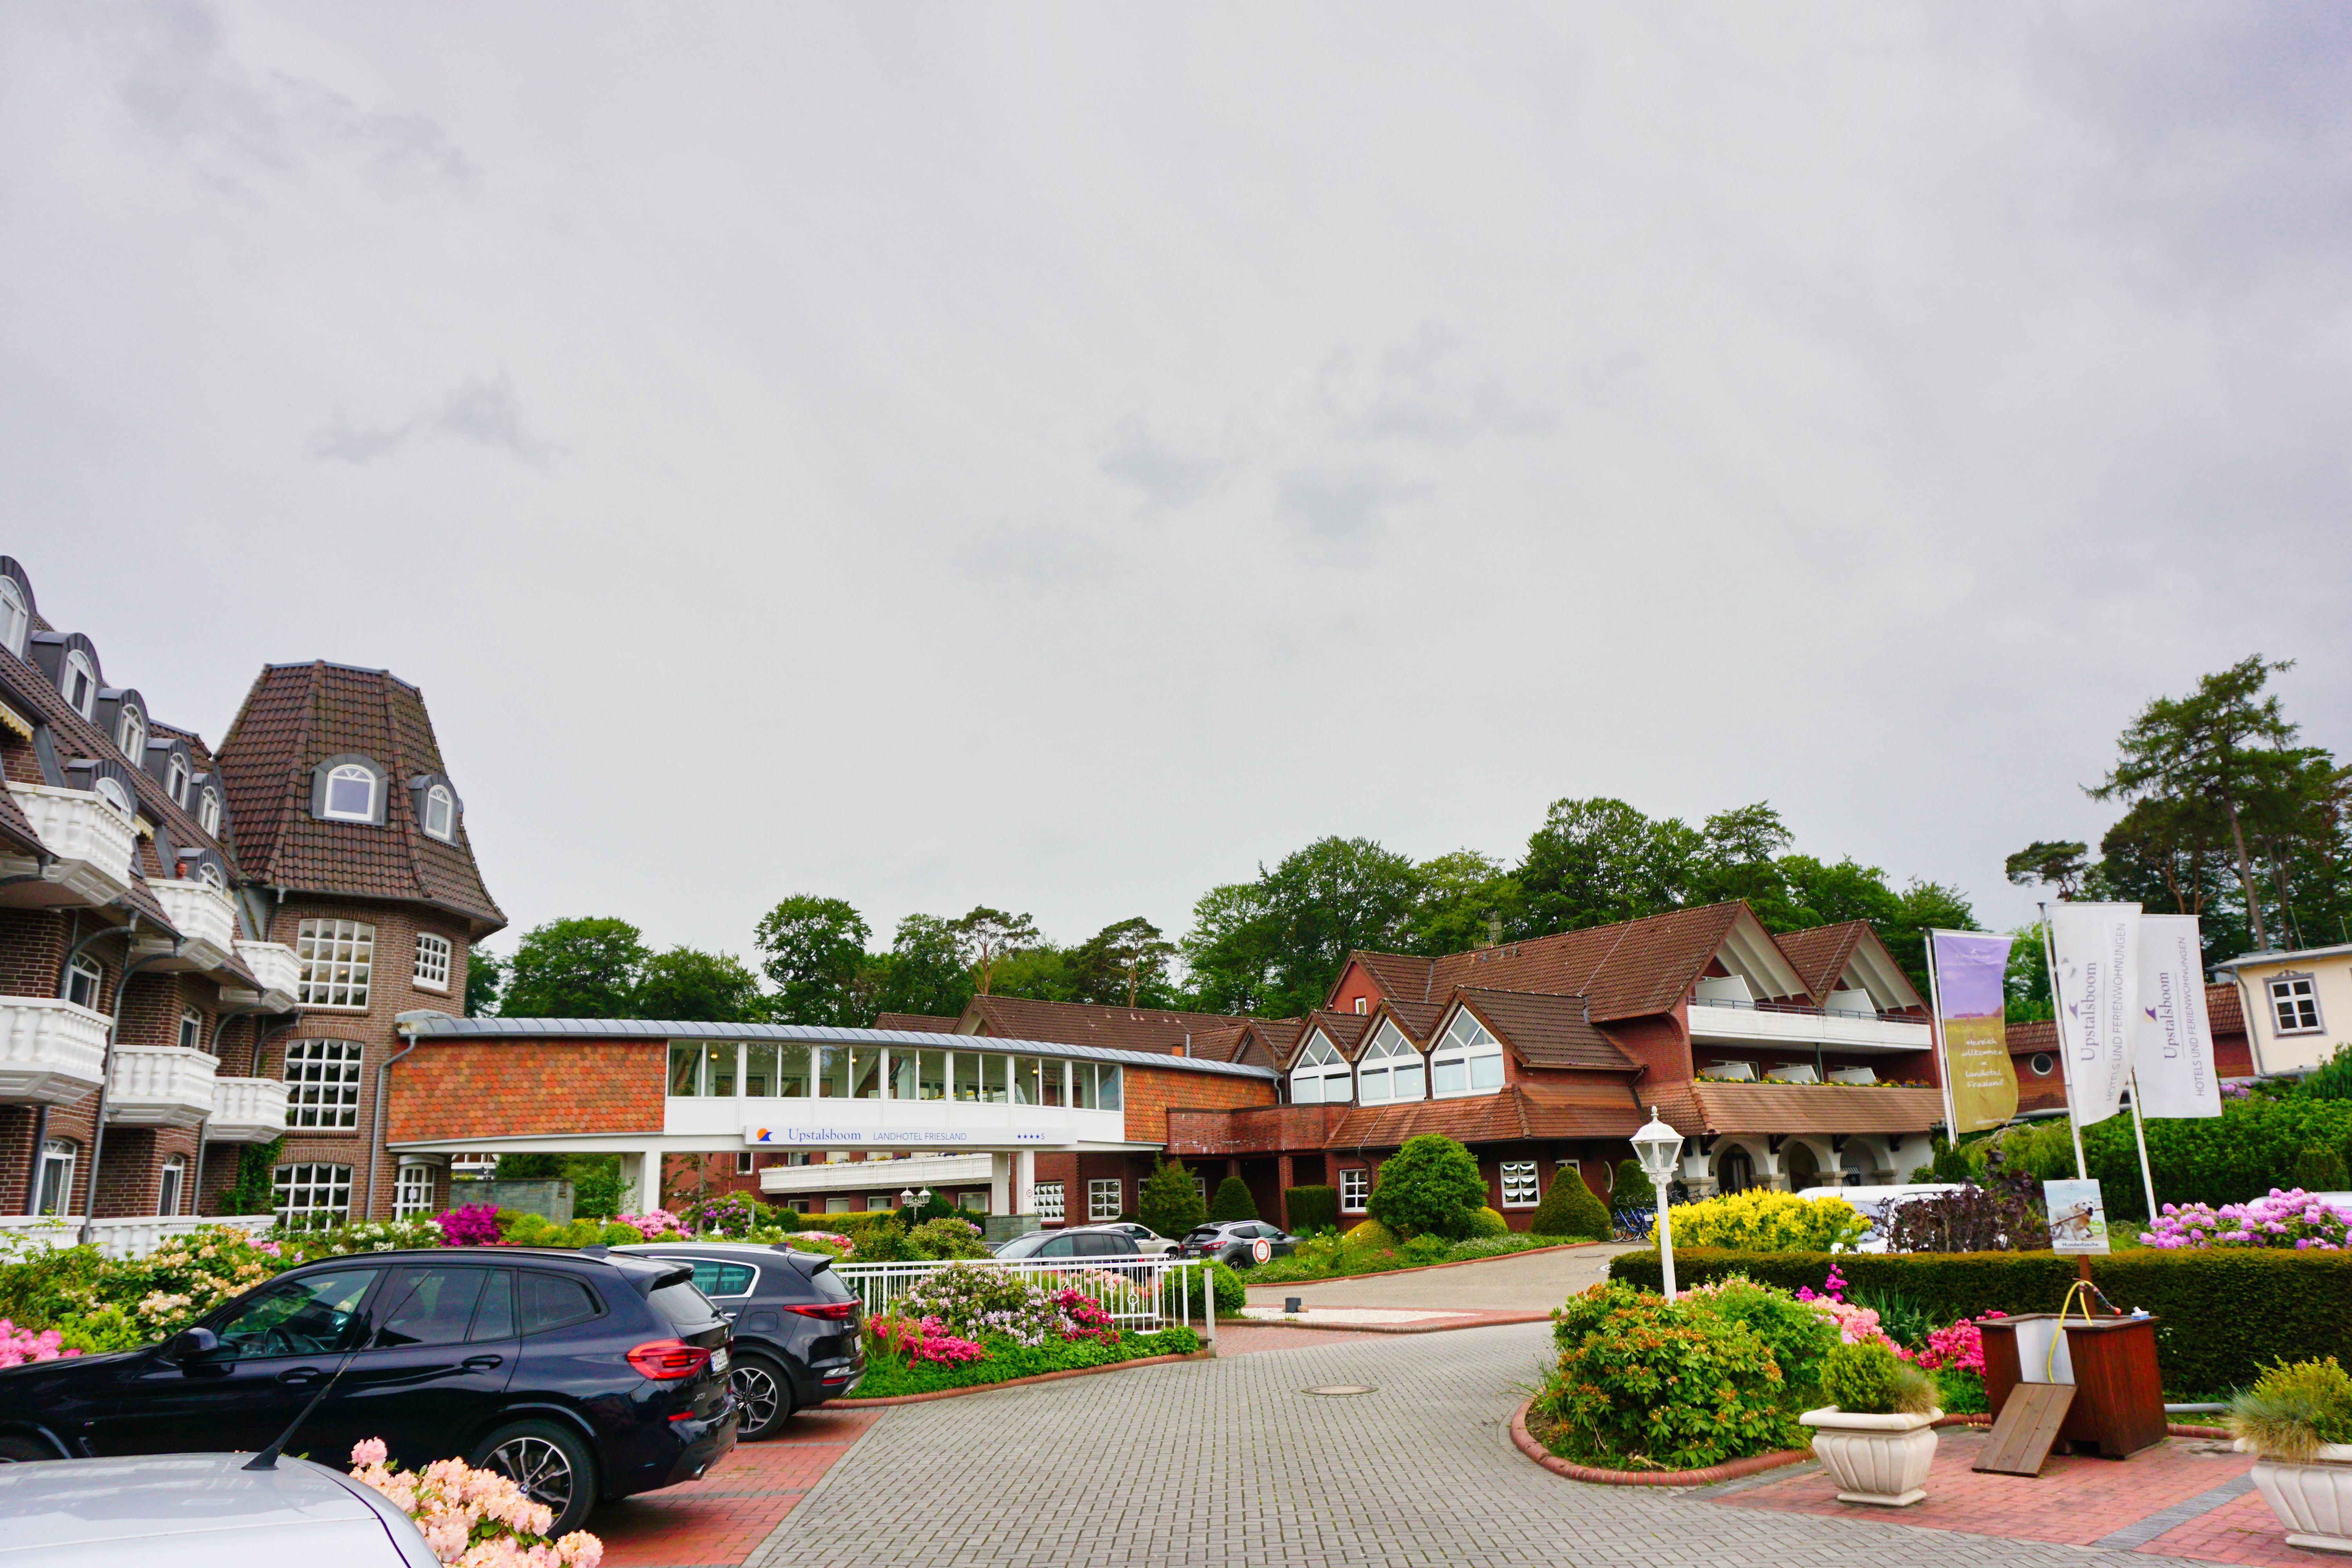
{"x":2223,"y":1010}
{"x":1548,"y":1031}
{"x":1417,"y":1019}
{"x":1623,"y":970}
{"x":15,"y":826}
{"x":1597,"y":1110}
{"x":1347,"y":1032}
{"x":1697,"y":1108}
{"x":296,"y":716}
{"x":1083,"y":1024}
{"x":918,"y":1023}
{"x":1819,"y":955}
{"x":1219,"y":1045}
{"x":1402,"y":977}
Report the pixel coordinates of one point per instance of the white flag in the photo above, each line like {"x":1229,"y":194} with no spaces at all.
{"x":2098,"y":985}
{"x":2172,"y":1043}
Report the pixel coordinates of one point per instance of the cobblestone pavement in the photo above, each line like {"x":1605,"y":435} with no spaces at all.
{"x":1223,"y":1462}
{"x":1528,"y":1283}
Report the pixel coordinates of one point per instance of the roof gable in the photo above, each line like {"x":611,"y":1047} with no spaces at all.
{"x":1545,"y":1031}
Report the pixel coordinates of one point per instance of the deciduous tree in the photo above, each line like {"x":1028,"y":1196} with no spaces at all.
{"x":579,"y":968}
{"x":812,"y":948}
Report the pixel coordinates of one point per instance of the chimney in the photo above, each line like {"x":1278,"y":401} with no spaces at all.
{"x":1494,"y":928}
{"x":1186,"y":1049}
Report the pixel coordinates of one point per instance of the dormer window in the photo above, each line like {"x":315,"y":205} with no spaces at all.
{"x":1391,"y":1069}
{"x":112,"y":794}
{"x":351,"y":794}
{"x":208,"y":810}
{"x":16,"y":616}
{"x":1320,"y":1075}
{"x":78,"y":681}
{"x":131,"y":734}
{"x":209,"y":874}
{"x":441,"y":813}
{"x":175,"y":780}
{"x":1468,"y":1060}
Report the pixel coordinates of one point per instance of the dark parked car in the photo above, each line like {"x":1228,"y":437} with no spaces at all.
{"x":1234,"y":1242}
{"x":1079,"y":1241}
{"x":797,"y":1325}
{"x":581,"y":1375}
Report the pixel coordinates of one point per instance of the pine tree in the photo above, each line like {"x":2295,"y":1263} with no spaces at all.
{"x":1171,"y":1206}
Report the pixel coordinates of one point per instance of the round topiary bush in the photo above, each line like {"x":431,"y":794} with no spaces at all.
{"x":1870,"y":1380}
{"x":1570,"y":1211}
{"x":1233,"y":1200}
{"x":1371,"y":1233}
{"x":1430,"y":1186}
{"x":1645,"y":1383}
{"x":1485,"y":1223}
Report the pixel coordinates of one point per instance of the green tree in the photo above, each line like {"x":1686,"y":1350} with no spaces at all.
{"x":578,"y":968}
{"x":486,"y":975}
{"x":988,"y":935}
{"x":711,"y":987}
{"x":1233,"y":951}
{"x":1278,"y":944}
{"x":1430,"y":1186}
{"x":1825,"y":894}
{"x":1920,"y":905}
{"x":1569,"y":1209}
{"x":1233,"y":1200}
{"x":1601,"y":861}
{"x":1468,"y":900}
{"x":2056,"y":863}
{"x":2026,"y":981}
{"x":1042,"y":973}
{"x":924,"y":971}
{"x":1170,"y":1204}
{"x":813,"y":950}
{"x":1126,"y":962}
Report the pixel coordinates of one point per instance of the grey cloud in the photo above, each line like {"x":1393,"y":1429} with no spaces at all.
{"x":482,"y":410}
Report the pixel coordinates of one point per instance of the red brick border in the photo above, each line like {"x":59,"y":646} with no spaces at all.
{"x":1013,"y":1382}
{"x":1729,"y":1469}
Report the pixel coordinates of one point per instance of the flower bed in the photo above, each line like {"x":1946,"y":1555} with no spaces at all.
{"x":964,"y":1326}
{"x":2293,"y":1220}
{"x":890,"y":1375}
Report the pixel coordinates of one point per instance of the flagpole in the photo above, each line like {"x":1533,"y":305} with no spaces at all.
{"x":2066,"y":1055}
{"x":2139,"y":1133}
{"x":1943,"y":1055}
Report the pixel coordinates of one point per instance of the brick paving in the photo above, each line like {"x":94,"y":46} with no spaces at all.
{"x":2241,"y":1531}
{"x":1248,"y":1339}
{"x":1209,"y":1463}
{"x":721,"y":1517}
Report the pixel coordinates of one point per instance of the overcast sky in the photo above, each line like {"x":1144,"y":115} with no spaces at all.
{"x":1061,"y":456}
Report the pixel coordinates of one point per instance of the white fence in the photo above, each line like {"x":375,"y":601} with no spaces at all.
{"x":136,"y":1238}
{"x":1140,"y":1293}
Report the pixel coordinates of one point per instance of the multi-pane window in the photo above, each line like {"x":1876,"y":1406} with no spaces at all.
{"x":1355,"y":1189}
{"x":82,"y":980}
{"x":208,"y":811}
{"x":1047,"y":1197}
{"x":351,"y":794}
{"x":112,"y":792}
{"x":743,"y":1162}
{"x":1320,"y":1075}
{"x":192,"y":1027}
{"x":56,"y":1175}
{"x":78,"y":681}
{"x":1520,"y":1185}
{"x":1103,"y":1198}
{"x":2294,"y":1001}
{"x":15,"y":616}
{"x":168,"y":1185}
{"x":1201,"y":1186}
{"x":1391,"y":1069}
{"x":175,"y":779}
{"x":131,"y":734}
{"x":412,"y":1191}
{"x":1467,"y":1060}
{"x":313,"y":1196}
{"x":432,"y":961}
{"x":440,"y":813}
{"x":337,"y":956}
{"x":323,"y":1083}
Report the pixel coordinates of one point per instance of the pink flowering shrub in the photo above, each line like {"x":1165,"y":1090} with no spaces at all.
{"x":1081,"y":1317}
{"x":2292,"y":1218}
{"x":925,"y":1340}
{"x":475,"y":1224}
{"x":473,"y":1519}
{"x":1959,"y":1348}
{"x":1856,"y":1325}
{"x":19,"y":1346}
{"x":655,"y":1225}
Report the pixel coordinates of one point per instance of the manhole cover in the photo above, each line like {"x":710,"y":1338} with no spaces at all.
{"x":1340,"y":1388}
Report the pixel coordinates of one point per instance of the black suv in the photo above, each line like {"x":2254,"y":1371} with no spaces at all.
{"x":797,"y":1340}
{"x":581,"y":1375}
{"x":1234,"y":1242}
{"x":1079,"y":1241}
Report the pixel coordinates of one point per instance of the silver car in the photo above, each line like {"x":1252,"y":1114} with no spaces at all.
{"x":199,"y":1511}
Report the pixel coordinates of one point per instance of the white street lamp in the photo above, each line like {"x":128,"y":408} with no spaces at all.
{"x":905,"y":1198}
{"x":1658,"y":1146}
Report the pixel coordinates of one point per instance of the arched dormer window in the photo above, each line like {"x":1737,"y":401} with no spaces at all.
{"x":208,"y":810}
{"x":209,"y":874}
{"x":348,"y":788}
{"x":113,"y":795}
{"x":1319,"y":1076}
{"x":1467,"y":1060}
{"x":16,"y":616}
{"x":1390,"y":1069}
{"x":78,"y":680}
{"x":441,"y":813}
{"x":175,"y":780}
{"x":131,"y":734}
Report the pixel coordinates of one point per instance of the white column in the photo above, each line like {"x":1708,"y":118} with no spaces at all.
{"x":647,"y":1178}
{"x":1000,"y":1183}
{"x":1025,"y":1182}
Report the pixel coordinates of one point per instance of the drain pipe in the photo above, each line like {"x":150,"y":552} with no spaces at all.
{"x":407,"y":1028}
{"x":106,"y":1077}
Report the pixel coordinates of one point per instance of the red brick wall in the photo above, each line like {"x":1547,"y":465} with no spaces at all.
{"x":32,"y":949}
{"x":1150,"y":1094}
{"x":1660,"y":1042}
{"x":1259,"y":1129}
{"x":1356,"y":984}
{"x":474,"y":1089}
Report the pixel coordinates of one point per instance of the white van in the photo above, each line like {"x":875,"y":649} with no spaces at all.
{"x":1877,"y":1204}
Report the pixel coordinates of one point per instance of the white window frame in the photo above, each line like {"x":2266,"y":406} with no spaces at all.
{"x":16,"y":616}
{"x":1316,"y":1068}
{"x":93,"y":980}
{"x":210,"y":876}
{"x":412,"y":1190}
{"x":208,"y":810}
{"x":54,"y":1188}
{"x":440,"y":803}
{"x":192,"y":1028}
{"x":1355,"y":1189}
{"x":1519,"y":1175}
{"x":131,"y":733}
{"x":1383,"y":1060}
{"x":338,"y":958}
{"x":175,"y":780}
{"x":171,"y":1186}
{"x":348,"y":770}
{"x":1046,"y":1198}
{"x":308,"y":1192}
{"x":2292,"y":995}
{"x":1468,"y":1046}
{"x":78,"y":667}
{"x":1106,"y":1197}
{"x":323,"y":1084}
{"x":434,"y":952}
{"x":742,"y":1162}
{"x":114,"y":795}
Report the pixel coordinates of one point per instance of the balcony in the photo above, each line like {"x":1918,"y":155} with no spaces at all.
{"x":274,"y":964}
{"x":1788,"y":1024}
{"x":90,"y":845}
{"x":247,"y":1110}
{"x":935,"y":1171}
{"x":206,"y":919}
{"x":162,"y":1086}
{"x":117,"y":1238}
{"x":51,"y":1052}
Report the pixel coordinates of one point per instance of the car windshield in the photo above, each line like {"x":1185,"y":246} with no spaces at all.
{"x":828,"y":1284}
{"x":317,"y":1314}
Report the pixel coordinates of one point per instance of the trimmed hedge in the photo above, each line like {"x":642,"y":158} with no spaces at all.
{"x":1233,"y":1200}
{"x":1313,"y":1208}
{"x":2222,"y":1313}
{"x":1569,"y":1209}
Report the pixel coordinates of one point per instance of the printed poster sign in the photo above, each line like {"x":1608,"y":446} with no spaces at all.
{"x":2078,"y":1216}
{"x":1970,"y":999}
{"x":2095,"y":975}
{"x":2172,"y":1040}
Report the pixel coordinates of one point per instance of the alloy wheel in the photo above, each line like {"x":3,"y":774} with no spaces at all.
{"x":539,"y":1467}
{"x":755,"y":1386}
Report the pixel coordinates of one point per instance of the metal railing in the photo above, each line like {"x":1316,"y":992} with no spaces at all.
{"x":1806,"y":1010}
{"x":1143,"y":1294}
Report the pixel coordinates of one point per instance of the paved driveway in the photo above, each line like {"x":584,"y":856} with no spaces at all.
{"x":1206,"y":1464}
{"x":1533,"y":1282}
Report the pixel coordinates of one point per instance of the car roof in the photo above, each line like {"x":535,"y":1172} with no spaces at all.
{"x":749,"y":1251}
{"x":147,"y":1505}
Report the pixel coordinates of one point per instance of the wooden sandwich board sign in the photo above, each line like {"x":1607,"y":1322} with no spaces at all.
{"x":2028,"y":1425}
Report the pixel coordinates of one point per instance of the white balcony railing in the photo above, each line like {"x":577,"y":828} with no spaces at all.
{"x":274,"y":964}
{"x":935,"y":1171}
{"x":88,"y":841}
{"x":247,"y":1110}
{"x":51,"y":1052}
{"x":160,"y":1086}
{"x":206,"y":919}
{"x":133,"y":1238}
{"x":1777,"y":1024}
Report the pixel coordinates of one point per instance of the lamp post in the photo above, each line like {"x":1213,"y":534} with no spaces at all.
{"x":1657,"y":1146}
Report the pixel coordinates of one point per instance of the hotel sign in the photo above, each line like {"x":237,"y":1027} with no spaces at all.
{"x":831,"y":1135}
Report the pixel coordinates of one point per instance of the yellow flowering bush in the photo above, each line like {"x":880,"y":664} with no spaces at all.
{"x":1761,"y":1221}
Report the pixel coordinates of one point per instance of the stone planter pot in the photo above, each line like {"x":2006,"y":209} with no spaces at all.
{"x":1877,"y":1459}
{"x":2314,"y":1500}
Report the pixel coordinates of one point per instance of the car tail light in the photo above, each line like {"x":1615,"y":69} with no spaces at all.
{"x":834,"y":1312}
{"x":664,"y":1360}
